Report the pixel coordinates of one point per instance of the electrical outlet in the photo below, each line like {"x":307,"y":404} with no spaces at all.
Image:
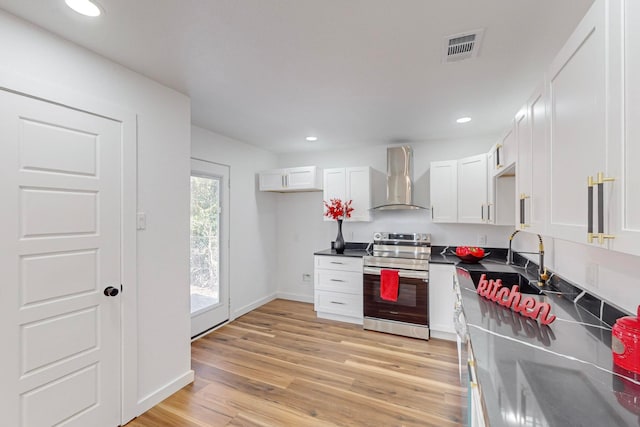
{"x":482,"y":239}
{"x":592,"y":275}
{"x":306,"y":277}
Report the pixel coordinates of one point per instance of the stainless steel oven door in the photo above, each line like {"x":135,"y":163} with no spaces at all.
{"x":412,"y":305}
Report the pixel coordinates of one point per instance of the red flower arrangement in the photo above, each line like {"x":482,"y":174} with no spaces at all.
{"x":337,"y":209}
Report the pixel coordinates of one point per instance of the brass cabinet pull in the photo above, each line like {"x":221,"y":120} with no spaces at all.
{"x":590,"y":184}
{"x":599,"y":183}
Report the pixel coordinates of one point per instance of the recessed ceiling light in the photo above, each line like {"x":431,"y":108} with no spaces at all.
{"x":464,"y":120}
{"x":84,"y":7}
{"x":311,"y":138}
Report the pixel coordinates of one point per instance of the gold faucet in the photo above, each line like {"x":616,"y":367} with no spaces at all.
{"x":543,"y":276}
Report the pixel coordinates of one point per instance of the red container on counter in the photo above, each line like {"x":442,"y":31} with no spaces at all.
{"x":625,"y":342}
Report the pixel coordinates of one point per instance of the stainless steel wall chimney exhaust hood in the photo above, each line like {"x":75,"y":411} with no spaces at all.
{"x":399,"y":185}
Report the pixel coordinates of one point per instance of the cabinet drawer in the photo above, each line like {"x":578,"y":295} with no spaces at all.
{"x":339,"y":303}
{"x":340,"y":281}
{"x":339,"y":263}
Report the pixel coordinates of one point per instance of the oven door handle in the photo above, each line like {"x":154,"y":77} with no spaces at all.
{"x":409,"y":274}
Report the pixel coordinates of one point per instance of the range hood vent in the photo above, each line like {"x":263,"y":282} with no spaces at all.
{"x":399,"y":184}
{"x":462,"y":46}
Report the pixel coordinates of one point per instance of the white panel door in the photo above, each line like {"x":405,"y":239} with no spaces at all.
{"x":578,"y":141}
{"x":358,"y":189}
{"x":472,"y":189}
{"x":60,"y":175}
{"x":443,"y":184}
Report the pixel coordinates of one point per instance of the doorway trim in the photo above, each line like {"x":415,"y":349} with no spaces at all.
{"x":199,"y":168}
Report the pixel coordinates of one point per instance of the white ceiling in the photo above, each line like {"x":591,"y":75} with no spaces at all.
{"x":352,"y":72}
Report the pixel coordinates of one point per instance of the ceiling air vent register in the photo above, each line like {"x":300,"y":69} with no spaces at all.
{"x":459,"y":47}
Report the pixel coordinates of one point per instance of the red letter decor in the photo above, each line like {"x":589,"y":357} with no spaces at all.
{"x":511,"y":298}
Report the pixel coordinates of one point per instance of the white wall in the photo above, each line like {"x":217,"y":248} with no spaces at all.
{"x":253,"y":254}
{"x":34,"y":58}
{"x":302,"y":229}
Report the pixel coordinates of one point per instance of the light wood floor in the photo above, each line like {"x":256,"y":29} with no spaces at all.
{"x":281,"y":366}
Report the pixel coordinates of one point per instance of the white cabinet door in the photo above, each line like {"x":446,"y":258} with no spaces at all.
{"x":60,"y":224}
{"x":509,"y":149}
{"x":353,"y":183}
{"x":503,"y":153}
{"x":333,"y":186}
{"x":441,"y":300}
{"x":444,"y":191}
{"x":301,"y":178}
{"x":577,"y":118}
{"x":272,"y":180}
{"x":305,"y":178}
{"x":472,"y":189}
{"x":538,"y":202}
{"x":624,"y":112}
{"x":358,"y":190}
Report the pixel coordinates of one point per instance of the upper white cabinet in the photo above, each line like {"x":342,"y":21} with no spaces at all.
{"x":531,"y":166}
{"x":444,"y":191}
{"x":622,"y":197}
{"x":578,"y":140}
{"x":306,"y":178}
{"x":472,"y":189}
{"x":353,"y":183}
{"x":503,"y":153}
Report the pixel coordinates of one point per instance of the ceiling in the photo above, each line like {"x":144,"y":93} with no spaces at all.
{"x":352,"y":72}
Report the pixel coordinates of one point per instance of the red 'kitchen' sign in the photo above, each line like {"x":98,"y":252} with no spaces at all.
{"x":512,"y":298}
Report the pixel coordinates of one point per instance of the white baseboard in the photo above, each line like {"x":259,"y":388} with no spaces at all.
{"x":162,"y":393}
{"x":249,"y":307}
{"x":449,"y":336}
{"x":295,"y":297}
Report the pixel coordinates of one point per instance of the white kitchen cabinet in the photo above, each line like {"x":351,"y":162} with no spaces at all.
{"x":531,"y":167}
{"x":444,"y":191}
{"x":338,"y":288}
{"x":305,"y":178}
{"x":352,"y":183}
{"x":578,"y":141}
{"x":503,"y":153}
{"x":472,"y":189}
{"x":441,"y":301}
{"x":622,"y":203}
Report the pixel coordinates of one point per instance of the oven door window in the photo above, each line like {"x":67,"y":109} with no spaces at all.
{"x":411,"y":307}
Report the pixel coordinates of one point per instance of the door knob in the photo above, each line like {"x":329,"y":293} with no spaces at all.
{"x":110,"y":291}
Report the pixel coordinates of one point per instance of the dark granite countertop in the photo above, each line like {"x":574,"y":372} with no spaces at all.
{"x":352,"y":249}
{"x":347,"y":252}
{"x":556,"y":375}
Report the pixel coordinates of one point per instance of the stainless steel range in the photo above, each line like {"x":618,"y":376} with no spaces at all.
{"x":408,"y":254}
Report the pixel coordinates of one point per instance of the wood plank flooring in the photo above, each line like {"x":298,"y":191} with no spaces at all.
{"x":281,"y":366}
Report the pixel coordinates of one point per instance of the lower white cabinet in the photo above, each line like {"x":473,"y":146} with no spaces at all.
{"x":441,"y":301}
{"x":338,"y":288}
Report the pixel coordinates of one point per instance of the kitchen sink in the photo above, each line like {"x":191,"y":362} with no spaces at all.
{"x":508,"y":280}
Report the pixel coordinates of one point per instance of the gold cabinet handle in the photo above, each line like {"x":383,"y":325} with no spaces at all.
{"x":590,"y":184}
{"x":601,"y":179}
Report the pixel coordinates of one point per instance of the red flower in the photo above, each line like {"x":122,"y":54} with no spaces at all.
{"x":338,"y":209}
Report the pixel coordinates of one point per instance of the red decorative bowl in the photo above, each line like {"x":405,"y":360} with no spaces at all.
{"x":471,"y":259}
